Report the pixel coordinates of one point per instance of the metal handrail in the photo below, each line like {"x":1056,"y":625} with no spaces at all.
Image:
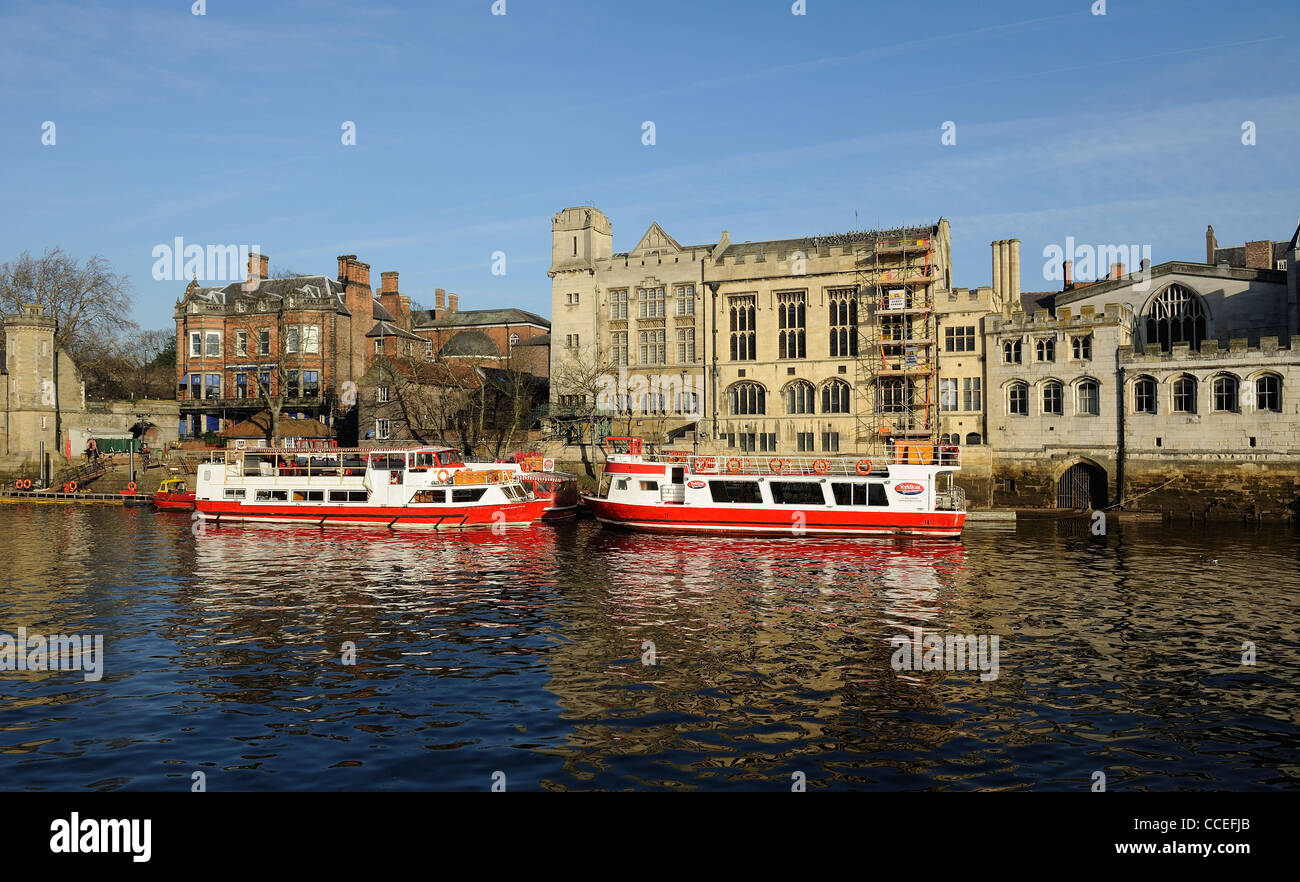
{"x":771,"y":464}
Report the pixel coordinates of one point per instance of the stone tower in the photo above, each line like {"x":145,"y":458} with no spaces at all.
{"x":581,"y":238}
{"x":32,"y":393}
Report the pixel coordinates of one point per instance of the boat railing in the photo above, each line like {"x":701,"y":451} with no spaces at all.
{"x":775,"y":464}
{"x":952,"y":499}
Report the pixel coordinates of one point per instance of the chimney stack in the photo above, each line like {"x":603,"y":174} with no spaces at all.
{"x":439,"y":302}
{"x":1116,"y":270}
{"x":258,"y":269}
{"x":388,"y":282}
{"x":451,"y":302}
{"x":1013,"y":269}
{"x":1259,"y":255}
{"x":1211,"y":245}
{"x":1068,"y":271}
{"x":997,"y":270}
{"x":396,"y":303}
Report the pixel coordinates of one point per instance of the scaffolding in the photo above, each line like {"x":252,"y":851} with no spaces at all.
{"x":897,"y":354}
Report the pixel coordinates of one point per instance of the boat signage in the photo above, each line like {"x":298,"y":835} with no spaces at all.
{"x":909,"y":488}
{"x":548,"y":465}
{"x":696,"y":485}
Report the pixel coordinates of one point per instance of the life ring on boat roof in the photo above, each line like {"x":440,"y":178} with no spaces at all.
{"x":864,"y":467}
{"x":130,"y":486}
{"x":821,"y":467}
{"x":24,"y":484}
{"x":70,"y":487}
{"x":776,"y":465}
{"x":734,"y":465}
{"x":443,"y":475}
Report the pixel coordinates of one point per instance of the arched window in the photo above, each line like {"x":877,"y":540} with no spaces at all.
{"x":1089,"y":394}
{"x":1144,"y":395}
{"x":1053,"y":398}
{"x":835,"y":397}
{"x":748,"y":399}
{"x":1011,"y":352}
{"x":973,"y":439}
{"x":1018,"y":399}
{"x":1184,"y":395}
{"x":514,"y":338}
{"x":1268,"y":393}
{"x":800,"y":397}
{"x":1045,"y":349}
{"x":1225,"y":394}
{"x":1176,"y":316}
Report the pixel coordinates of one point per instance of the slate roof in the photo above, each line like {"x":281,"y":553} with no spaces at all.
{"x":388,"y":329}
{"x":423,"y":318}
{"x":471,"y":343}
{"x":538,"y":340}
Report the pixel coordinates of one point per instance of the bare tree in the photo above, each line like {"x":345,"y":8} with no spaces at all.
{"x":90,"y":301}
{"x":585,"y":389}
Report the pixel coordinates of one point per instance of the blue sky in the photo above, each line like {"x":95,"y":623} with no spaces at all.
{"x":472,"y":130}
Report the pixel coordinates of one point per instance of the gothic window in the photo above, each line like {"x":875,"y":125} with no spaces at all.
{"x":1176,"y":316}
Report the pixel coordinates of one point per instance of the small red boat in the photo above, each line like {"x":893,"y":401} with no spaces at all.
{"x":173,"y":495}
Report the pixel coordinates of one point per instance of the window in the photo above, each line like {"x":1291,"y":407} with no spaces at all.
{"x":735,"y":491}
{"x":947,"y":394}
{"x":309,"y":496}
{"x":620,"y":347}
{"x":384,"y":394}
{"x":1045,"y":349}
{"x":686,"y":300}
{"x":797,"y":493}
{"x":767,"y":442}
{"x":894,"y":395}
{"x":291,"y":339}
{"x":212,"y":348}
{"x":428,"y":350}
{"x":835,"y":397}
{"x":271,"y":496}
{"x":844,"y":323}
{"x":234,"y":493}
{"x":241,"y":343}
{"x":859,"y":493}
{"x":748,"y":442}
{"x":241,"y":385}
{"x":514,"y":339}
{"x":792,"y":339}
{"x":212,"y":382}
{"x":1281,"y":264}
{"x":196,"y":344}
{"x":264,"y":341}
{"x":1011,"y":352}
{"x":800,"y":397}
{"x":1225,"y":394}
{"x":650,"y":486}
{"x":379,"y":346}
{"x":685,"y":345}
{"x":1144,"y":395}
{"x":650,"y":302}
{"x":618,"y":304}
{"x":430,"y":496}
{"x":1081,"y":347}
{"x":973,"y":439}
{"x":1089,"y":398}
{"x":959,"y":339}
{"x":1268,"y":393}
{"x":467,"y":494}
{"x":1185,"y":395}
{"x":1176,"y":316}
{"x":572,"y":298}
{"x":310,"y":384}
{"x":1018,"y":399}
{"x":383,"y":429}
{"x":1052,"y":398}
{"x":741,"y":313}
{"x":571,"y":341}
{"x":748,"y":399}
{"x":831,"y":442}
{"x":653,"y":347}
{"x":972,"y":397}
{"x":803,"y":442}
{"x":686,"y":402}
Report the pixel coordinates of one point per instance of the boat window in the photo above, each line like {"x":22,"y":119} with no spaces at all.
{"x":797,"y":493}
{"x":620,"y":484}
{"x":234,"y":492}
{"x":860,"y":493}
{"x":448,"y":458}
{"x":272,"y":496}
{"x":649,"y":485}
{"x":735,"y":491}
{"x":347,"y":496}
{"x":309,"y":496}
{"x":467,"y":494}
{"x":433,"y":496}
{"x":424,"y":461}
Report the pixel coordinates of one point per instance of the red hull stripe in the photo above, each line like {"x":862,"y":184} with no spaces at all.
{"x":444,"y":516}
{"x":767,"y":520}
{"x":631,"y":468}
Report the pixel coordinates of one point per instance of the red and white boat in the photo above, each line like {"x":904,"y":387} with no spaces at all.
{"x":537,"y":474}
{"x":910,"y":494}
{"x":428,"y":488}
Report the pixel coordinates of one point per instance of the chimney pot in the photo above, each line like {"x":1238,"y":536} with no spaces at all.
{"x":1116,"y":270}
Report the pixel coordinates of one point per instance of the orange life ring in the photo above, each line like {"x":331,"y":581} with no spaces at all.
{"x":864,"y":467}
{"x":23,"y":484}
{"x":705,"y":463}
{"x":821,"y":467}
{"x":443,"y":475}
{"x":70,"y":487}
{"x":734,"y":465}
{"x":776,"y":465}
{"x":130,"y":486}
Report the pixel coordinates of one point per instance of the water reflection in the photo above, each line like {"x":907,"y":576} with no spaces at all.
{"x":526,"y":652}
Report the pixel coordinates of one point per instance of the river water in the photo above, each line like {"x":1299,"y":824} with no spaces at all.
{"x":575,"y":657}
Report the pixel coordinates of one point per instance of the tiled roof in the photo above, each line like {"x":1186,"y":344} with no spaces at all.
{"x":259,"y":426}
{"x":423,"y":318}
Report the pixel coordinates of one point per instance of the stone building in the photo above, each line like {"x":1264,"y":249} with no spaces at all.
{"x":44,"y":395}
{"x":1173,"y":387}
{"x":814,"y":344}
{"x":308,"y":337}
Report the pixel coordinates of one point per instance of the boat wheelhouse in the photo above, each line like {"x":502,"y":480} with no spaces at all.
{"x":173,"y":495}
{"x":417,"y":488}
{"x":909,"y":493}
{"x":538,"y":475}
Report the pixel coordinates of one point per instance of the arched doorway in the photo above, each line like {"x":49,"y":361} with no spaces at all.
{"x":1082,"y":486}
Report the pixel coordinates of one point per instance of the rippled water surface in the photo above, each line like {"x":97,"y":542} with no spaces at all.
{"x":523,"y":654}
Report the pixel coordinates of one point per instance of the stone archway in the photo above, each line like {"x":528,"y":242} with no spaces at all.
{"x":1082,"y":486}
